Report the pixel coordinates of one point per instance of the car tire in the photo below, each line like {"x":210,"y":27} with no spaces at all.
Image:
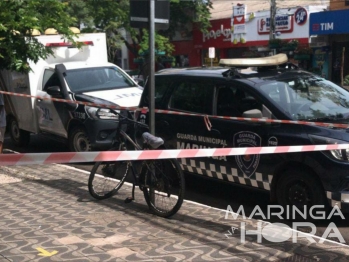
{"x":298,"y":188}
{"x":78,"y":140}
{"x":19,"y":136}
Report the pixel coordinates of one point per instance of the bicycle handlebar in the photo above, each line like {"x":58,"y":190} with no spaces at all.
{"x":123,"y":118}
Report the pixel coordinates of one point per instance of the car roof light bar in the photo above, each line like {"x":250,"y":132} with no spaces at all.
{"x":255,"y":62}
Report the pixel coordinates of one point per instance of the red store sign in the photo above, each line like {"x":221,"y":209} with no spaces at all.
{"x":283,"y":24}
{"x":219,"y":35}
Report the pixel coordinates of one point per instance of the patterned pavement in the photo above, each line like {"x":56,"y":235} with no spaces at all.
{"x":47,"y":214}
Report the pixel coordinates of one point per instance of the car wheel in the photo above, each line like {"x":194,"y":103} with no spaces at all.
{"x":19,"y":137}
{"x":79,"y":141}
{"x":299,"y":188}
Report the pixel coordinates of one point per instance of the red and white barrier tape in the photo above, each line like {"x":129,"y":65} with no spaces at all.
{"x":263,"y":120}
{"x":71,"y":157}
{"x":70,"y":101}
{"x":207,"y":123}
{"x":206,"y":117}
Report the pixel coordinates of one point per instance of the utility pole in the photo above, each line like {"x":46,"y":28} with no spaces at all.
{"x":272,"y":19}
{"x":151,"y":77}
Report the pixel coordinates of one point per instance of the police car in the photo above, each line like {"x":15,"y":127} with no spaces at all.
{"x":259,"y":88}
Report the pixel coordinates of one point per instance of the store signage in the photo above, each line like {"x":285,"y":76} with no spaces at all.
{"x":238,"y":19}
{"x":239,"y":29}
{"x":238,"y":26}
{"x":329,"y":22}
{"x":283,"y":24}
{"x":301,"y":16}
{"x":222,"y":32}
{"x":211,"y":52}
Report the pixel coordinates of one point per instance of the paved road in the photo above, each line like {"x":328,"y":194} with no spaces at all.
{"x":48,"y":215}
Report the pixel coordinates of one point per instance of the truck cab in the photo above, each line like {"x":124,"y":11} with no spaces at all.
{"x":59,"y":98}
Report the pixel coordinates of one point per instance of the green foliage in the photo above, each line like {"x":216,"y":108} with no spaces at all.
{"x":293,"y":43}
{"x":162,"y":44}
{"x":346,"y":80}
{"x":303,"y":50}
{"x":102,"y":16}
{"x":114,"y":15}
{"x":184,"y":12}
{"x":17,"y":19}
{"x":276,"y":41}
{"x":80,"y":11}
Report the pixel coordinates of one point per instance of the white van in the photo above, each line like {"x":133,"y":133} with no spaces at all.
{"x":72,"y":74}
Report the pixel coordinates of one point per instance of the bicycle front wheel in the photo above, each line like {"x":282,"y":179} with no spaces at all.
{"x":164,"y":186}
{"x":106,"y":178}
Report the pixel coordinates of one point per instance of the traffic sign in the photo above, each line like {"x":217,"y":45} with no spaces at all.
{"x":139,"y":14}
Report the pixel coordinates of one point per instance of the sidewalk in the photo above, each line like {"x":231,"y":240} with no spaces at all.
{"x":47,"y":214}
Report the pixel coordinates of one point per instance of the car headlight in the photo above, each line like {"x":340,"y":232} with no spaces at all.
{"x":101,"y":113}
{"x":338,"y":154}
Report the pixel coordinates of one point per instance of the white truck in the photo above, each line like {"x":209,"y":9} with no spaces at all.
{"x":72,"y":74}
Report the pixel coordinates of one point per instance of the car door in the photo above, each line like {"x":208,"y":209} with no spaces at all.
{"x":52,"y":116}
{"x":234,"y":100}
{"x":185,"y":130}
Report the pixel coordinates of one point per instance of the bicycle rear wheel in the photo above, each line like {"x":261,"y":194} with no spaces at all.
{"x":106,"y":178}
{"x":164,"y":186}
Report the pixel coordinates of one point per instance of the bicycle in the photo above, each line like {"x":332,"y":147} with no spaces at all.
{"x":161,"y":180}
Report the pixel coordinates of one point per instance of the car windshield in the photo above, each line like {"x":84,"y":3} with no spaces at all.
{"x":97,"y":78}
{"x":309,"y":98}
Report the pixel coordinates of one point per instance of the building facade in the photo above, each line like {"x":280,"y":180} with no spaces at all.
{"x":333,"y":27}
{"x":246,"y":34}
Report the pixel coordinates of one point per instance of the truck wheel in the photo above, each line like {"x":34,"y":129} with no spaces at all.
{"x":79,"y":141}
{"x":19,"y":137}
{"x":298,"y":188}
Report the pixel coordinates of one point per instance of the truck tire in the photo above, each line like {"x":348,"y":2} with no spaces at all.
{"x":19,"y":136}
{"x":297,"y":187}
{"x":79,"y":141}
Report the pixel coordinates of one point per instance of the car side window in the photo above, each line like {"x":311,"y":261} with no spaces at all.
{"x":50,"y":79}
{"x":193,"y":96}
{"x":233,"y":101}
{"x":161,"y":87}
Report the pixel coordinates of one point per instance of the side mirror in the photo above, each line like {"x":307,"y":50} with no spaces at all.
{"x":54,"y":91}
{"x":254,"y":113}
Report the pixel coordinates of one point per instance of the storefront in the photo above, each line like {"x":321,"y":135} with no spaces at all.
{"x":334,"y":25}
{"x":250,"y":35}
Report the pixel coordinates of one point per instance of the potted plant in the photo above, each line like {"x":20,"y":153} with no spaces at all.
{"x":346,"y":82}
{"x":303,"y":53}
{"x":275,"y":43}
{"x":167,"y":59}
{"x":138,"y":60}
{"x":290,"y":45}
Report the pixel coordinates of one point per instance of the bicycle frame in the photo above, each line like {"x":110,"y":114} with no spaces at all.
{"x":129,"y":139}
{"x":161,"y":181}
{"x":135,"y":175}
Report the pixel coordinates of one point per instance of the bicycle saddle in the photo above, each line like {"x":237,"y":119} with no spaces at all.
{"x":151,"y":140}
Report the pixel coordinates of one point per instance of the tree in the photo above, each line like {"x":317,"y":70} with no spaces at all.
{"x":184,"y":12}
{"x":80,"y":11}
{"x":101,"y":16}
{"x":18,"y":19}
{"x":114,"y":15}
{"x":163,"y":48}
